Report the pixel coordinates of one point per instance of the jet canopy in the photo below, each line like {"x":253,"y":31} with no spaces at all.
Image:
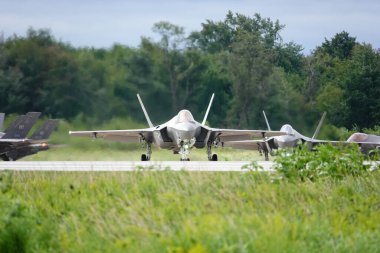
{"x":358,"y":137}
{"x":288,"y":129}
{"x":184,"y":116}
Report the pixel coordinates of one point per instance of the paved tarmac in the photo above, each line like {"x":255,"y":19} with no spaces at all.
{"x":138,"y":165}
{"x":132,"y":166}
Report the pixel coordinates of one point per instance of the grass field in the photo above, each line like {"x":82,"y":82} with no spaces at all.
{"x":186,"y":212}
{"x":322,"y":201}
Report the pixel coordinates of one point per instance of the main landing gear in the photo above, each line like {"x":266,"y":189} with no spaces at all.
{"x":211,"y":157}
{"x":146,"y":157}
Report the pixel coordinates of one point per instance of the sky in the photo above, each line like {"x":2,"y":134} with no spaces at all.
{"x":97,"y":23}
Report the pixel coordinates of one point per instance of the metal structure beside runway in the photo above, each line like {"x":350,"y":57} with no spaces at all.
{"x":131,"y":166}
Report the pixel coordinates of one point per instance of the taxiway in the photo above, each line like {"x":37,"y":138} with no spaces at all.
{"x":133,"y":166}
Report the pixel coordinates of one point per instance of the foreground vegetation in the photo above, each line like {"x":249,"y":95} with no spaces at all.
{"x":325,"y":201}
{"x":186,"y":212}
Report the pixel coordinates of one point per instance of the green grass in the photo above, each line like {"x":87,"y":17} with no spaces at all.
{"x":170,"y":211}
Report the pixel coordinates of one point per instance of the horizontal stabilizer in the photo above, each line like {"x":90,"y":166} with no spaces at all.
{"x":45,"y":130}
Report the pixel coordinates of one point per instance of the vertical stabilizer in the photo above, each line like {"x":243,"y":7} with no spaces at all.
{"x":21,"y":126}
{"x":45,"y":130}
{"x":145,"y":113}
{"x":2,"y":115}
{"x":14,"y":123}
{"x":266,"y":121}
{"x":319,"y":126}
{"x":208,"y":109}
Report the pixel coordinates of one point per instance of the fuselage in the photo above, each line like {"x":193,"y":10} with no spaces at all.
{"x":366,"y":142}
{"x":290,"y":140}
{"x":182,"y":129}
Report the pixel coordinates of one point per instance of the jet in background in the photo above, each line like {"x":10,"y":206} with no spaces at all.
{"x":14,"y":143}
{"x":368,"y":143}
{"x":179,"y":134}
{"x":37,"y":142}
{"x":290,"y":140}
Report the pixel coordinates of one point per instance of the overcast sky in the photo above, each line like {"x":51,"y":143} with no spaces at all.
{"x":102,"y":23}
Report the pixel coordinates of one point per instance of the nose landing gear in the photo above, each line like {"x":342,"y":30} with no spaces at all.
{"x":184,"y":148}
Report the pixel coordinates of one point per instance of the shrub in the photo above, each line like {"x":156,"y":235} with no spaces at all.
{"x":326,"y":161}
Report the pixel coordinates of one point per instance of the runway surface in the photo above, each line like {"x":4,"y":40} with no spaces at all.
{"x":138,"y":165}
{"x":132,"y":166}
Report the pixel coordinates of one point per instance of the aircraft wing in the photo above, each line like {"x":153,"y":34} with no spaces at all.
{"x":226,"y":135}
{"x":248,"y":144}
{"x":133,"y":135}
{"x":344,"y":143}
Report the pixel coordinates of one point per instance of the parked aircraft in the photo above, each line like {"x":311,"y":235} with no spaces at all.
{"x":267,"y":145}
{"x":16,"y":149}
{"x":368,"y":143}
{"x":179,"y":134}
{"x":14,"y":143}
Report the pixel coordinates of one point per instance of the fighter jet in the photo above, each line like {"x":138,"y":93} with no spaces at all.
{"x":180,"y":134}
{"x":368,"y":143}
{"x":12,"y":150}
{"x":267,"y":145}
{"x":14,"y":143}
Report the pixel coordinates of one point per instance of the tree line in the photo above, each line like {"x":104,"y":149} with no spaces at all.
{"x":242,"y":59}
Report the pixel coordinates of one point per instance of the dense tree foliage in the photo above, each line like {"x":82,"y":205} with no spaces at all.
{"x":242,"y":59}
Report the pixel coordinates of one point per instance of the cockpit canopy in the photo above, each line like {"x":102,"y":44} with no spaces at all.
{"x":184,"y":116}
{"x":358,"y":137}
{"x":288,"y":129}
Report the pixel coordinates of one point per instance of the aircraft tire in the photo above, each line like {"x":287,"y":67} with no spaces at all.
{"x":214,"y":157}
{"x":143,"y":157}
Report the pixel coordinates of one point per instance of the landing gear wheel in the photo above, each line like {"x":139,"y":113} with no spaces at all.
{"x":214,"y":157}
{"x":186,"y":159}
{"x":143,"y":157}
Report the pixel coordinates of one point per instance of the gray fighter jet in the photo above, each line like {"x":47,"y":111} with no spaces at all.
{"x":267,"y":145}
{"x":368,"y":143}
{"x":12,"y":150}
{"x":180,"y":134}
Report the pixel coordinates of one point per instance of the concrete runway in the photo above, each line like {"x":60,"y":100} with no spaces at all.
{"x":131,"y":166}
{"x":138,"y":165}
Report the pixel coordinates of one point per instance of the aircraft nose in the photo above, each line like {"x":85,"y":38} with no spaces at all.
{"x":185,"y":131}
{"x":285,"y":141}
